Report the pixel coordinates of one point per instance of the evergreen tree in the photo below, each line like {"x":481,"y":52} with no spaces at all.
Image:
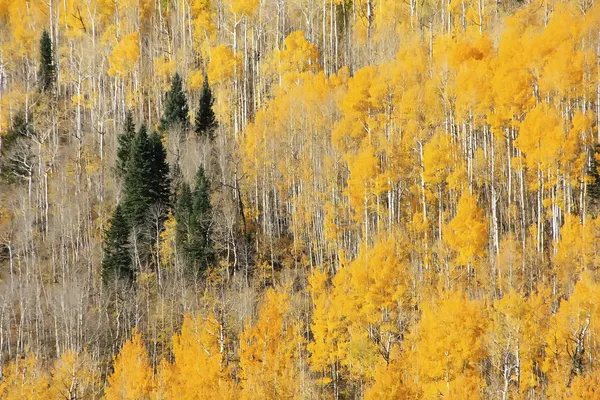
{"x":124,"y":144}
{"x":137,"y":197}
{"x":594,"y":188}
{"x":183,"y":216}
{"x":176,"y":107}
{"x":116,"y":263}
{"x":15,"y":149}
{"x":194,"y":217}
{"x":201,"y":249}
{"x":160,"y":183}
{"x":205,"y":121}
{"x":47,"y":69}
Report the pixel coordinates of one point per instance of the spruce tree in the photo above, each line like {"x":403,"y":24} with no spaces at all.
{"x":47,"y":69}
{"x":183,"y":216}
{"x":205,"y":121}
{"x":116,"y":263}
{"x":124,"y":144}
{"x":194,"y":217}
{"x":176,"y":107}
{"x":593,"y":189}
{"x":200,"y":248}
{"x":160,"y":182}
{"x":137,"y":197}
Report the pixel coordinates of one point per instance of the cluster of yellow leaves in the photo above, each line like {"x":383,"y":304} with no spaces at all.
{"x":132,"y":375}
{"x":441,"y":161}
{"x":164,"y":69}
{"x":199,"y":371}
{"x":222,"y":65}
{"x":298,"y":56}
{"x":125,"y":55}
{"x":570,"y":329}
{"x":72,"y":376}
{"x":519,"y":324}
{"x":243,"y":7}
{"x":195,"y":80}
{"x":467,"y":232}
{"x":203,"y":15}
{"x":448,"y":346}
{"x":270,"y":349}
{"x":357,"y":321}
{"x":167,"y":241}
{"x":576,"y":249}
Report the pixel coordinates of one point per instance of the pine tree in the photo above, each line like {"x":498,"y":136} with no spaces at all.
{"x":205,"y":121}
{"x":47,"y":69}
{"x":176,"y":107}
{"x":116,"y":263}
{"x":137,"y":197}
{"x":124,"y":144}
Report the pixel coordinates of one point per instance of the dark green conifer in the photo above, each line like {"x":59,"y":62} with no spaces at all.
{"x":593,"y":188}
{"x":205,"y":122}
{"x":137,"y":197}
{"x":194,"y":217}
{"x":47,"y":69}
{"x":116,"y":263}
{"x":201,"y":249}
{"x":124,"y":144}
{"x":160,"y":182}
{"x":176,"y":107}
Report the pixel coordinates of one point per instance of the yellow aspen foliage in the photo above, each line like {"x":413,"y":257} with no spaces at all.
{"x":10,"y":104}
{"x":203,"y":15}
{"x":74,"y":377}
{"x":469,"y":46}
{"x":392,"y":381}
{"x":167,"y":241}
{"x":25,"y":40}
{"x":583,"y":124}
{"x":164,"y":69}
{"x":576,"y":249}
{"x":24,"y":379}
{"x":326,"y":327}
{"x":439,"y":159}
{"x":568,"y":341}
{"x":371,"y":295}
{"x":132,"y":373}
{"x":270,"y":349}
{"x":519,"y":327}
{"x":125,"y":55}
{"x":511,"y":89}
{"x":585,"y":387}
{"x":198,"y":371}
{"x":467,"y":232}
{"x":222,"y":65}
{"x":541,"y":137}
{"x":564,"y":70}
{"x":244,"y":7}
{"x":298,"y":56}
{"x":449,"y":344}
{"x":366,"y":181}
{"x":74,"y":20}
{"x":356,"y":105}
{"x":195,"y":80}
{"x":509,"y":262}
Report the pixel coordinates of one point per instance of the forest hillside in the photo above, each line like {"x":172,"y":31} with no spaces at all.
{"x":299,"y":199}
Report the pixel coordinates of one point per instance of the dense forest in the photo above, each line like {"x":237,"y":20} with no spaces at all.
{"x":277,"y":199}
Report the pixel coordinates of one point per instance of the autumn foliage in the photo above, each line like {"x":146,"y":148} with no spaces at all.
{"x":345,"y":199}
